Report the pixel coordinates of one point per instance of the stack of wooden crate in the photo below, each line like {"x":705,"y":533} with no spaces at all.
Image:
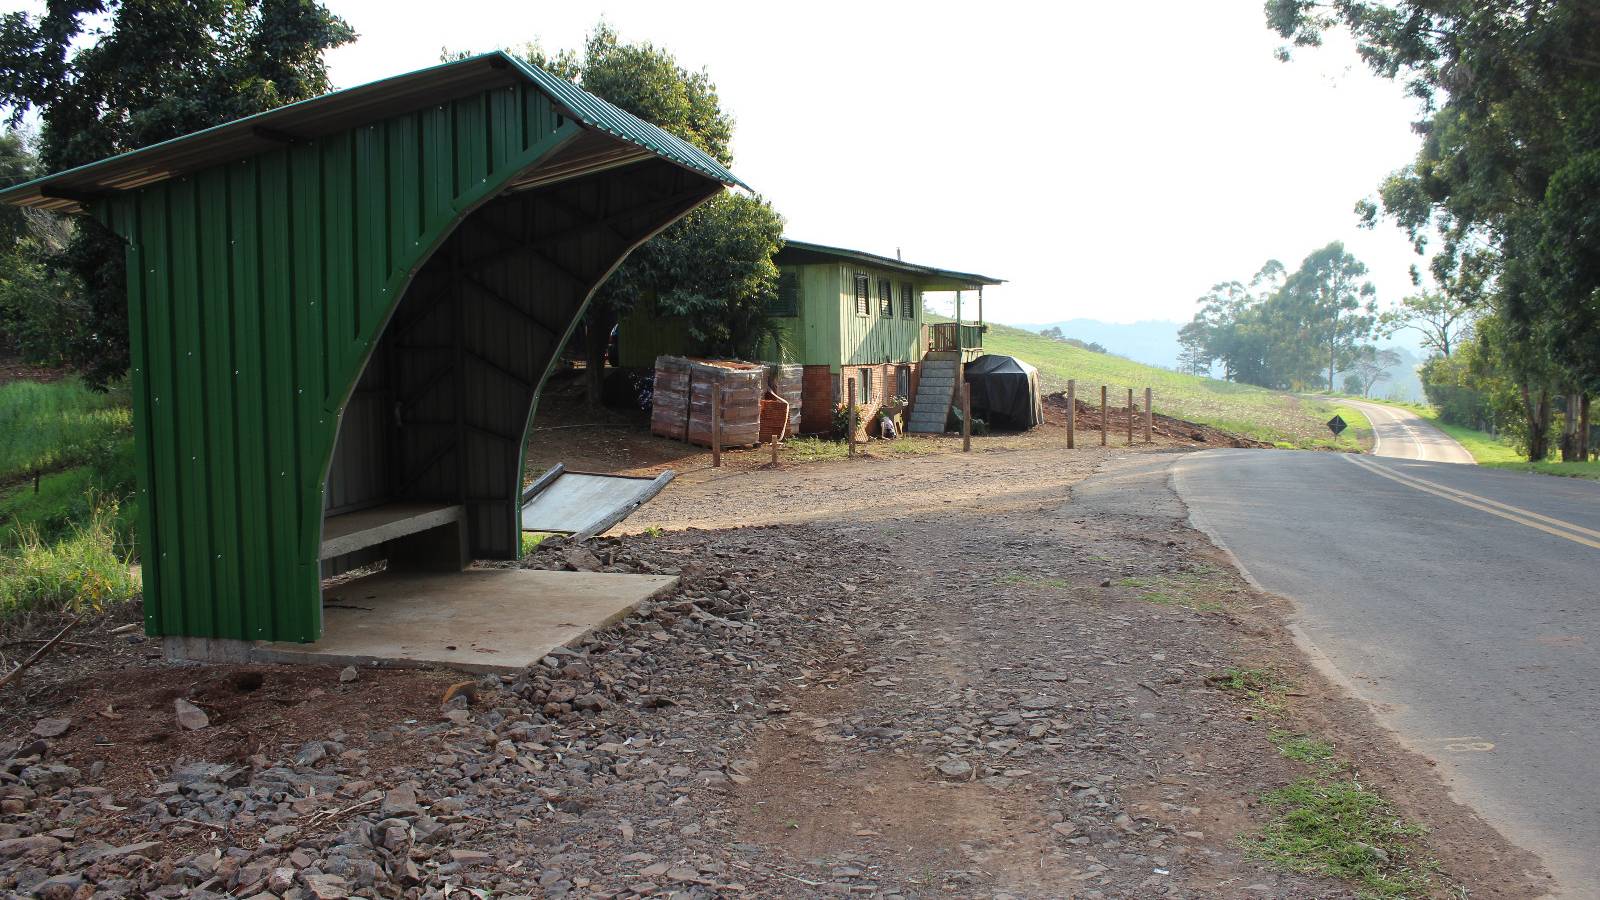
{"x":681,"y":407}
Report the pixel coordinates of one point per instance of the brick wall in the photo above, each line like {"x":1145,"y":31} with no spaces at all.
{"x":816,"y":401}
{"x":823,"y":390}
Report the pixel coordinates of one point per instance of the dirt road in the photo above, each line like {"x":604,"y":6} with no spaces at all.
{"x":1015,"y":673}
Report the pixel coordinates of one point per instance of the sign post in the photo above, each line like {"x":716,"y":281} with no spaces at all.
{"x":1337,"y":425}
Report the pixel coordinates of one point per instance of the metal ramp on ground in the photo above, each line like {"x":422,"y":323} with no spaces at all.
{"x":584,"y":504}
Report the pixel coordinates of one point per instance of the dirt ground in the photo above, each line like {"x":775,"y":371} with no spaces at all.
{"x":992,"y":674}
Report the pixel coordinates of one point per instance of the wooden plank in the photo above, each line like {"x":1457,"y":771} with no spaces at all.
{"x":375,"y":525}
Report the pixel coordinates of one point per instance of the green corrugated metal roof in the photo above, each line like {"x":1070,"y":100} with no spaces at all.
{"x":945,"y":279}
{"x":598,"y":113}
{"x":340,"y":111}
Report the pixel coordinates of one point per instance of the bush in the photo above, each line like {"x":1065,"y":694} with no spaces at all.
{"x":59,"y":424}
{"x":85,"y":572}
{"x":841,"y":419}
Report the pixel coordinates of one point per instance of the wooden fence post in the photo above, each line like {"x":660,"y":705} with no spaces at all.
{"x":1104,"y":425}
{"x":1130,"y":417}
{"x":966,"y":417}
{"x":716,"y":425}
{"x":1149,"y":416}
{"x":1072,"y":411}
{"x":774,"y":450}
{"x":851,"y":410}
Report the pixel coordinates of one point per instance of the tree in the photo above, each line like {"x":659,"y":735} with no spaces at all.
{"x":1284,"y":329}
{"x":109,"y":76}
{"x":1192,"y":340}
{"x":1509,"y":167}
{"x":714,"y":267}
{"x":1368,"y":366}
{"x":1327,"y":292}
{"x":1442,"y":321}
{"x":1054,"y":333}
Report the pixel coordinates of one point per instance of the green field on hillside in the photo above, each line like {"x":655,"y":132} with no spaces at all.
{"x":1243,"y":409}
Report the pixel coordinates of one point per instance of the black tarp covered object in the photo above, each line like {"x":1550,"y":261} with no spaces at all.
{"x":1005,"y":392}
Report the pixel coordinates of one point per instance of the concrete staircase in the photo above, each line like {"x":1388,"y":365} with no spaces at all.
{"x":936,"y":388}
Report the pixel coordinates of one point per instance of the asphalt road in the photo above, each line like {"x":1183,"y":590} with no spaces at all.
{"x":1402,"y":434}
{"x":1463,"y":602}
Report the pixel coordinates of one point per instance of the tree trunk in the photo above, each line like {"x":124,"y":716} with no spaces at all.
{"x":1333,"y":355}
{"x":1569,"y":430}
{"x":597,"y":325}
{"x":1538,"y":415}
{"x":1583,"y":428}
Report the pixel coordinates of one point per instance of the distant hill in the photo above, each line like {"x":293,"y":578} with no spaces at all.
{"x":1153,"y":342}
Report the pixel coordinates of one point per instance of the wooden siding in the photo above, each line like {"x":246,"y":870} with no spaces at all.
{"x":835,"y":335}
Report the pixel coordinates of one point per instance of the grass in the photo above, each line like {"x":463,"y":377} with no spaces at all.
{"x":816,"y":449}
{"x":84,"y":572}
{"x":51,"y":426}
{"x":1253,"y":412}
{"x":532,"y":539}
{"x":1334,"y":826}
{"x":1328,"y":823}
{"x":1184,"y":589}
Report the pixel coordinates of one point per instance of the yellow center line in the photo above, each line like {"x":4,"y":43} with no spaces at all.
{"x":1559,"y":523}
{"x":1504,"y":511}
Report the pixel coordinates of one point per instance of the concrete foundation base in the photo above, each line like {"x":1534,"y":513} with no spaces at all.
{"x":479,"y":620}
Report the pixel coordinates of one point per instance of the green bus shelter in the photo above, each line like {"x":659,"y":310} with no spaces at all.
{"x":342,"y":313}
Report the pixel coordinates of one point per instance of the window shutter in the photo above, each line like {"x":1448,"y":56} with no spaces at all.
{"x":787,"y":301}
{"x":908,"y":307}
{"x":863,"y":296}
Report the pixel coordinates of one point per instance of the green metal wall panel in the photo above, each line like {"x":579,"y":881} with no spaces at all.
{"x":256,"y":291}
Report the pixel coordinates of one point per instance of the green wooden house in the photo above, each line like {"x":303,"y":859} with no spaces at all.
{"x":850,"y":317}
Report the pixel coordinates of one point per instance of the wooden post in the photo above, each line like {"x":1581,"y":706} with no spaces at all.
{"x":774,"y":450}
{"x":1130,"y":417}
{"x":966,"y":417}
{"x":851,"y":409}
{"x":716,"y":424}
{"x":1103,"y":423}
{"x":1072,"y":411}
{"x":958,"y":325}
{"x":1149,"y":416}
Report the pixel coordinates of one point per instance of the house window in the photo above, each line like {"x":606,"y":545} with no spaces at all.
{"x":885,"y":298}
{"x":787,"y":300}
{"x":864,"y":396}
{"x":863,"y":295}
{"x":908,"y":308}
{"x":902,"y":381}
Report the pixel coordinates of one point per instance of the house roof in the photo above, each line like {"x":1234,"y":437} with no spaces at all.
{"x":802,"y":252}
{"x":340,"y":111}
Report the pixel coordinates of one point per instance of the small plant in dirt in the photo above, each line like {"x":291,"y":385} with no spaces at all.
{"x":532,"y":539}
{"x":1260,"y":686}
{"x":85,"y":572}
{"x":1338,"y":828}
{"x":1183,"y":589}
{"x":1305,"y":748}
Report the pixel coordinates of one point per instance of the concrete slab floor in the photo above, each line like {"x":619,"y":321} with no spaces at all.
{"x":479,"y":620}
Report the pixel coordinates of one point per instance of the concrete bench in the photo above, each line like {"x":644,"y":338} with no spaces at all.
{"x":415,"y":536}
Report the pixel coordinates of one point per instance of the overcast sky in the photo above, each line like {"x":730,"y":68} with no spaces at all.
{"x":1109,"y":160}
